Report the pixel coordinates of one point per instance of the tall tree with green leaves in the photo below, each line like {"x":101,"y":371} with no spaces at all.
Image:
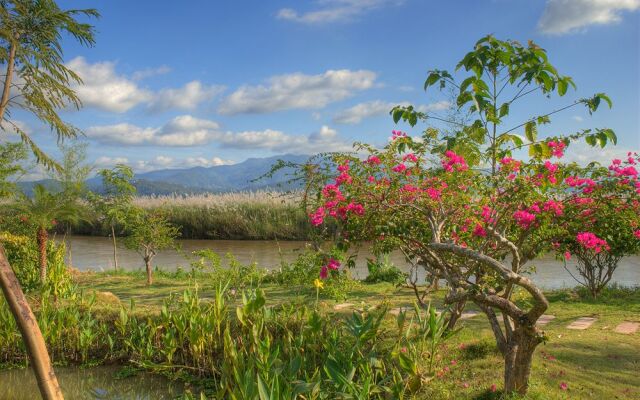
{"x":149,"y":232}
{"x":115,"y":204}
{"x":43,"y":211}
{"x":37,"y":81}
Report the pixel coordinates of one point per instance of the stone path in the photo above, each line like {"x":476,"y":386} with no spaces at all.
{"x":342,"y":306}
{"x":545,"y":319}
{"x":468,"y":314}
{"x":628,"y":328}
{"x":581,"y":323}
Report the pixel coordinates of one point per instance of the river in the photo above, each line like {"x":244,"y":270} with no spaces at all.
{"x":96,"y":253}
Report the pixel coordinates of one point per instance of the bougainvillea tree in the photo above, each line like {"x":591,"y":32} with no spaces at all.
{"x":601,"y":221}
{"x":461,"y":204}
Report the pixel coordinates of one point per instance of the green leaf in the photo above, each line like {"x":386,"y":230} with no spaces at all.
{"x":262,"y":390}
{"x":504,"y":110}
{"x":531,"y":131}
{"x":562,"y":87}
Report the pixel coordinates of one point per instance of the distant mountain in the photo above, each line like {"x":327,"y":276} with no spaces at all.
{"x":222,"y":178}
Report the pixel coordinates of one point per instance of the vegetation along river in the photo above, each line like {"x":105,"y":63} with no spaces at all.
{"x":96,"y":253}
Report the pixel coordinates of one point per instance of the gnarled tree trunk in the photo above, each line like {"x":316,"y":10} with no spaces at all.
{"x":517,"y":359}
{"x":31,"y":335}
{"x":147,"y":265}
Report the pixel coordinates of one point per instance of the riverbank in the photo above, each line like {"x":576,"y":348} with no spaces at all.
{"x":226,"y":216}
{"x":579,"y":364}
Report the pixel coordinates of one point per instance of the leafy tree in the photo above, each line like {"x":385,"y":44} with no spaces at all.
{"x":149,"y":232}
{"x":43,"y":211}
{"x":114,"y":205}
{"x":474,"y":229}
{"x":37,"y":81}
{"x":602,"y":225}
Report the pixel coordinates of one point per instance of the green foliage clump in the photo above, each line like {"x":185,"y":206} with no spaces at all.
{"x":382,"y":270}
{"x":22,"y":253}
{"x":235,"y":274}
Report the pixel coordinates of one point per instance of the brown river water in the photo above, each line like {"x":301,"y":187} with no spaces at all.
{"x":96,"y":253}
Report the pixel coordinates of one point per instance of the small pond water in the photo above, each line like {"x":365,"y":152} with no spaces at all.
{"x":96,"y":253}
{"x":90,"y":383}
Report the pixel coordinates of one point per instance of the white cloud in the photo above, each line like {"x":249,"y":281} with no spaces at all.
{"x":577,"y":118}
{"x":334,"y":11}
{"x":103,"y":88}
{"x":583,"y":154}
{"x":160,"y":162}
{"x":187,"y":97}
{"x":566,"y":16}
{"x":277,"y":141}
{"x":297,"y":91}
{"x":149,"y":72}
{"x":183,"y":130}
{"x":107,"y":90}
{"x":357,"y":113}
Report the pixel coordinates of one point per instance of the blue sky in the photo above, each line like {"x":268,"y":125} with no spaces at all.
{"x":180,"y":84}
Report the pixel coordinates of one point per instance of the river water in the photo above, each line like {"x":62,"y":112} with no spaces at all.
{"x":96,"y":253}
{"x":90,"y":383}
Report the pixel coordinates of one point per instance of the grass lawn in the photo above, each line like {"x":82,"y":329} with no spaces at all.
{"x":596,"y":363}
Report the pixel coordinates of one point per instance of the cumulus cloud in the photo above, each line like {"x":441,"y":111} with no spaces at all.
{"x":583,"y":154}
{"x":103,"y":88}
{"x":161,"y":162}
{"x":186,"y":131}
{"x":187,"y":97}
{"x":566,"y":16}
{"x":183,"y":130}
{"x":297,"y":91}
{"x":107,"y":90}
{"x":150,"y":72}
{"x":334,"y":11}
{"x":357,"y":113}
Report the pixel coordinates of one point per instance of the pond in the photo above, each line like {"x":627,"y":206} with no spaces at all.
{"x":96,"y":253}
{"x":90,"y":383}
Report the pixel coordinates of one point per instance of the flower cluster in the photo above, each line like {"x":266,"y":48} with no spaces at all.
{"x":557,"y":148}
{"x":331,"y":265}
{"x":590,"y":241}
{"x":524,"y":218}
{"x":397,"y":135}
{"x":453,"y":161}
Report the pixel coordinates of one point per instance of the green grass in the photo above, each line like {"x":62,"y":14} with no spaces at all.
{"x":595,"y":364}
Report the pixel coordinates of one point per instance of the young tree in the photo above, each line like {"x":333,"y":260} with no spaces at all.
{"x":37,"y":81}
{"x":44,"y":210}
{"x":149,"y":232}
{"x":476,"y":228}
{"x":115,"y":203}
{"x":602,"y":225}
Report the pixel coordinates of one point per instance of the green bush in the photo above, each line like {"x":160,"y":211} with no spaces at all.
{"x":382,"y":270}
{"x":236,"y":275}
{"x":22,"y":253}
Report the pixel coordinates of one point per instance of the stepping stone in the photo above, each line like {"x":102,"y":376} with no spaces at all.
{"x":628,"y":327}
{"x":581,"y":323}
{"x":468,"y":314}
{"x":342,"y":306}
{"x":545,"y":319}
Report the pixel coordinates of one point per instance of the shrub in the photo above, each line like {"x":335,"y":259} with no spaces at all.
{"x":382,"y":270}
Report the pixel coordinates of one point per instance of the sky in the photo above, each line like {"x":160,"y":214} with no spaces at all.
{"x":201,"y":83}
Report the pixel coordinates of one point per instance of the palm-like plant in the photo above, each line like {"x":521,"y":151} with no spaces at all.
{"x":44,"y":210}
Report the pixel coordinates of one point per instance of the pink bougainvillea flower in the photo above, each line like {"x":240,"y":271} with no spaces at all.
{"x":453,"y":161}
{"x":333,"y":264}
{"x":373,"y":160}
{"x":411,"y":157}
{"x":564,"y":386}
{"x":399,"y":168}
{"x":524,"y":218}
{"x":479,"y":231}
{"x":637,"y":234}
{"x":493,"y":388}
{"x":317,"y":218}
{"x":589,"y":240}
{"x":397,"y":134}
{"x":557,"y":148}
{"x":324,"y":272}
{"x":343,"y":178}
{"x":567,"y":255}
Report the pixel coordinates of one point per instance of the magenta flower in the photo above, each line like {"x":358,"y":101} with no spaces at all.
{"x":589,"y":240}
{"x":399,"y":168}
{"x":637,"y":234}
{"x":524,"y":218}
{"x":564,"y":386}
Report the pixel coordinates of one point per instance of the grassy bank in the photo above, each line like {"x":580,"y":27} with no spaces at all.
{"x":594,"y":364}
{"x":251,"y":216}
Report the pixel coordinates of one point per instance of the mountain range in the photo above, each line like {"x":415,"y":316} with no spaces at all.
{"x":245,"y":176}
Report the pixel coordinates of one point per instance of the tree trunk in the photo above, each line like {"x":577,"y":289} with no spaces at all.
{"x":518,"y":358}
{"x":42,"y":237}
{"x":115,"y":247}
{"x":147,"y":264}
{"x":31,"y":335}
{"x":456,"y":313}
{"x":8,"y":79}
